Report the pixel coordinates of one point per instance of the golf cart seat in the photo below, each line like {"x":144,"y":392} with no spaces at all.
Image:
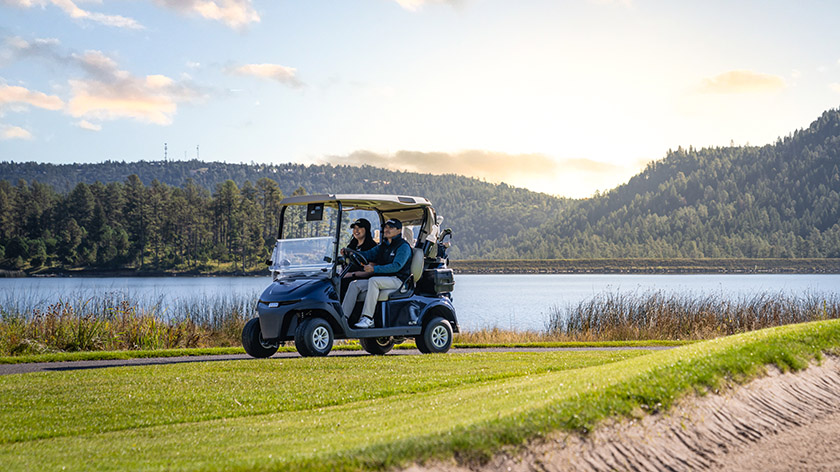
{"x":407,"y":288}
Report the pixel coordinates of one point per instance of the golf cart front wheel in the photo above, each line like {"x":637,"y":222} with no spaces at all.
{"x":253,"y":341}
{"x":314,"y":337}
{"x":436,"y":337}
{"x":377,"y":346}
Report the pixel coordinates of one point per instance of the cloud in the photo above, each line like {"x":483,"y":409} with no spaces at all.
{"x":73,"y":11}
{"x":85,"y":124}
{"x":234,"y":13}
{"x":12,"y":94}
{"x":284,"y":75}
{"x":150,"y":99}
{"x":835,"y":86}
{"x":741,"y":81}
{"x":623,"y":3}
{"x":13,"y":132}
{"x":570,"y":177}
{"x":414,"y":5}
{"x":105,"y":92}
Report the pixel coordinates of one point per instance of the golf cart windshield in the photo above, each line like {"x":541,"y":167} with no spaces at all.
{"x":307,"y":244}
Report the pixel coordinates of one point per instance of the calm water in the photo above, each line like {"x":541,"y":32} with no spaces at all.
{"x":520,"y":302}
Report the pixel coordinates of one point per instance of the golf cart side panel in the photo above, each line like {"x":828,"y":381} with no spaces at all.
{"x":440,"y":307}
{"x":281,"y":300}
{"x":280,"y":323}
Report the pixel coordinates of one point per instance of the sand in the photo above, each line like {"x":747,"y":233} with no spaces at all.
{"x":780,"y":422}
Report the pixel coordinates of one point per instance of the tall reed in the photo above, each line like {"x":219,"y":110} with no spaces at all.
{"x":115,"y":321}
{"x":655,"y":315}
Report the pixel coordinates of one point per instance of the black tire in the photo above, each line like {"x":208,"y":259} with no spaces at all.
{"x":253,"y":341}
{"x":377,"y":346}
{"x":436,"y":337}
{"x":421,"y":345}
{"x":314,"y":337}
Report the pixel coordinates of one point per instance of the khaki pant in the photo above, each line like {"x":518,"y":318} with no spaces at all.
{"x":372,"y":286}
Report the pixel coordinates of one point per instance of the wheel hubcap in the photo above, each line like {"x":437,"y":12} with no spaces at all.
{"x":440,"y":336}
{"x":320,"y":338}
{"x":383,"y":341}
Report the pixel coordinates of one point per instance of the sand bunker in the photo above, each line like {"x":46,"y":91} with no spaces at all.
{"x":779,"y":422}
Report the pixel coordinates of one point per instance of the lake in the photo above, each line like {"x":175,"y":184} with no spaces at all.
{"x":520,"y":302}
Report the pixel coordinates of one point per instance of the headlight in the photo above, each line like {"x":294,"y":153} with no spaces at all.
{"x":274,"y":304}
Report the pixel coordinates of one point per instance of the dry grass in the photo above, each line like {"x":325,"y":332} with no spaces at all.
{"x":654,"y":315}
{"x":113,"y":322}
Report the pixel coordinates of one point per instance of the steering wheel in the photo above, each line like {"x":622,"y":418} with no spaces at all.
{"x":356,"y":257}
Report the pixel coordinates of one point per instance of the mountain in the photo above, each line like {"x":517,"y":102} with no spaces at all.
{"x":778,"y":200}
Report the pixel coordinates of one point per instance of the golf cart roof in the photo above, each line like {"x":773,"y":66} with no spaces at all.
{"x":361,"y":201}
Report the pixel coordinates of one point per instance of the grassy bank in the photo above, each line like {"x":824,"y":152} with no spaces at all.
{"x":647,"y":266}
{"x":361,"y":413}
{"x":117,"y":322}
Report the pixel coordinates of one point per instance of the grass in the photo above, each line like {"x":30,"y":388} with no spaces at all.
{"x":350,"y":345}
{"x":118,"y":399}
{"x":364,"y":412}
{"x":116,"y":321}
{"x":655,"y":315}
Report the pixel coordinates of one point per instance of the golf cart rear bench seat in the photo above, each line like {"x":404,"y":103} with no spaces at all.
{"x":407,"y":288}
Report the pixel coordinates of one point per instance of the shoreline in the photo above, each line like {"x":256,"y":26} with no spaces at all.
{"x":518,"y":266}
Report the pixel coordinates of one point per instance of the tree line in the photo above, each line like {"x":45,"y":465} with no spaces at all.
{"x":129,"y":224}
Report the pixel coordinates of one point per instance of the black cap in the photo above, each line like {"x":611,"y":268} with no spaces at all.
{"x":394,"y":223}
{"x":361,"y":222}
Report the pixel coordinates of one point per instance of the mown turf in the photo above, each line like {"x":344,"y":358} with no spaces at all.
{"x":352,"y":346}
{"x":335,"y":427}
{"x":54,"y":404}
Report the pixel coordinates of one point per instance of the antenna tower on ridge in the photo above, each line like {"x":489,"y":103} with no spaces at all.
{"x":164,"y":152}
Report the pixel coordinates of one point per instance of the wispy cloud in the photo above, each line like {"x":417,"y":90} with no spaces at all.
{"x":105,"y":92}
{"x":284,"y":75}
{"x":74,"y":11}
{"x":233,"y":13}
{"x":13,"y":94}
{"x":150,"y":99}
{"x":13,"y":132}
{"x":623,"y":3}
{"x":414,"y":5}
{"x":85,"y":124}
{"x":741,"y":81}
{"x":570,"y":177}
{"x":835,"y":86}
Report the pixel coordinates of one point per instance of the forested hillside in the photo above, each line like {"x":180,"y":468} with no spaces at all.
{"x":186,"y":214}
{"x":778,"y":200}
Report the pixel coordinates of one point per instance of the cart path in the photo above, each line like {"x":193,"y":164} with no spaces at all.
{"x":6,"y":369}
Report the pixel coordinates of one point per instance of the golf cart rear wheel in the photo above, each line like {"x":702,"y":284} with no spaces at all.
{"x":253,"y":341}
{"x":436,"y":337}
{"x":314,"y":337}
{"x":377,"y":346}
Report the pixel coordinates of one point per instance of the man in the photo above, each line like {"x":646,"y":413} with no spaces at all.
{"x":390,"y":266}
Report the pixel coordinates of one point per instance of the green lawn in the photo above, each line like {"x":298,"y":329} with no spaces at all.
{"x":352,"y":346}
{"x":357,"y":412}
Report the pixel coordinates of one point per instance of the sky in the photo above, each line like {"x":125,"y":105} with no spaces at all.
{"x":567,"y":97}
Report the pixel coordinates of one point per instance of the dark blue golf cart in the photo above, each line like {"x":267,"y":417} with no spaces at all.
{"x":303,"y":303}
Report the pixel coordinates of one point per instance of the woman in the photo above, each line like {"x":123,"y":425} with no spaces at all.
{"x":362,"y":241}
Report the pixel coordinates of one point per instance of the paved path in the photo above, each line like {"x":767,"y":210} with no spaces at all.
{"x":6,"y":369}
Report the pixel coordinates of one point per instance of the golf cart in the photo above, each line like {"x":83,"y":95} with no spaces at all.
{"x":303,"y":303}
